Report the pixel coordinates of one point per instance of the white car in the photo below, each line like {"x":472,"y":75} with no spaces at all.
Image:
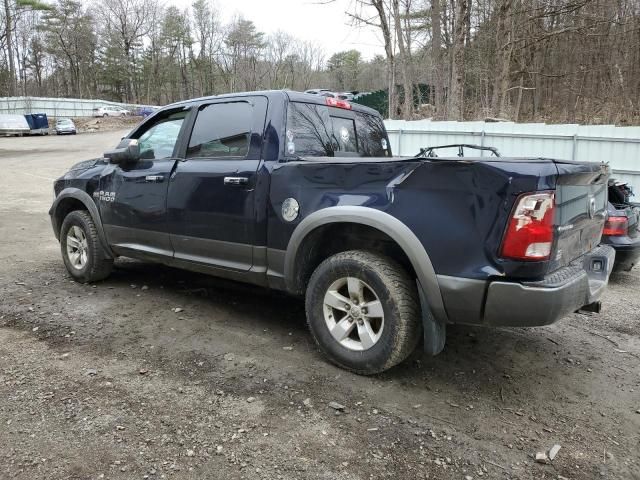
{"x":109,"y":111}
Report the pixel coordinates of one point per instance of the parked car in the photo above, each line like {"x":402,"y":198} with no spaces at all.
{"x":301,"y":193}
{"x":65,"y":126}
{"x":345,"y":96}
{"x":622,"y":227}
{"x":323,"y":92}
{"x":11,"y":124}
{"x":146,"y":111}
{"x":109,"y":111}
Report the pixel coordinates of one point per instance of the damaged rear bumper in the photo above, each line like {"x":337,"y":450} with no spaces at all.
{"x":577,"y":286}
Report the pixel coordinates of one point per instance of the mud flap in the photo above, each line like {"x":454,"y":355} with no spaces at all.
{"x":435,"y":332}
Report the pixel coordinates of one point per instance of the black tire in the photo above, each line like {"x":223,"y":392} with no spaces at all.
{"x":397,"y":293}
{"x":98,"y":265}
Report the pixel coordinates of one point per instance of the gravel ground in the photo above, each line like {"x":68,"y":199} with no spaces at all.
{"x":109,"y":381}
{"x":104,"y":124}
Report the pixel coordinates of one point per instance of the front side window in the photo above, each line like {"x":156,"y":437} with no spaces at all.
{"x":222,"y":130}
{"x":159,"y":141}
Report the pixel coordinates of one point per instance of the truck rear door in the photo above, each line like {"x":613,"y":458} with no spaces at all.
{"x":211,"y":211}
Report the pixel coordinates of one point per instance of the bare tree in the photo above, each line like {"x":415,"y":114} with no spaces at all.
{"x":560,"y":60}
{"x":405,"y":64}
{"x":209,"y":37}
{"x":456,"y":91}
{"x":278,"y":50}
{"x":129,"y":21}
{"x":8,"y":25}
{"x":380,"y":20}
{"x":438,"y":75}
{"x":504,"y":49}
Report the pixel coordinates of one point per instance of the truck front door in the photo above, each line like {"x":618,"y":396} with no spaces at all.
{"x":133,"y":196}
{"x":211,"y":211}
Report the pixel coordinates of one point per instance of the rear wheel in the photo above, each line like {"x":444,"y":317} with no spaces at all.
{"x":363,"y":311}
{"x":82,"y":252}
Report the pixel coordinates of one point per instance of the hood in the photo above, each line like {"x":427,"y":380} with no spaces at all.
{"x":86,"y":164}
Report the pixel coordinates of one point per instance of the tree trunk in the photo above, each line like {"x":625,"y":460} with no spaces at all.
{"x":407,"y":82}
{"x":516,"y":115}
{"x":504,"y":47}
{"x":436,"y":49}
{"x":456,"y":93}
{"x":9,"y":36}
{"x":388,"y":48}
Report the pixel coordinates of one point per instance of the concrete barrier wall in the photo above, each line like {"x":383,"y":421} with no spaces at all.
{"x":57,"y":107}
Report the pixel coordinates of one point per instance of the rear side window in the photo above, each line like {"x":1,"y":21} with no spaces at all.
{"x":309,"y":130}
{"x":221,"y":130}
{"x":319,"y":130}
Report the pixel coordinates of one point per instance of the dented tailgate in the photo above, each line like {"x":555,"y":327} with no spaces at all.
{"x":581,"y":199}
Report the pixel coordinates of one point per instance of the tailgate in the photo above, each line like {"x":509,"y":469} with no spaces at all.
{"x":581,"y":200}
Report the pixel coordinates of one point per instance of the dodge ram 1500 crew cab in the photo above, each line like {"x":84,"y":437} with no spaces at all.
{"x":301,"y":193}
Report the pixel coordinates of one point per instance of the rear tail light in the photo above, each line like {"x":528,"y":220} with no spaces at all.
{"x":529,"y":234}
{"x":333,"y":102}
{"x":616,"y":226}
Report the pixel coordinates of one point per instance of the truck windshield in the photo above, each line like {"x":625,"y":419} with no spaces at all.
{"x":322,"y":131}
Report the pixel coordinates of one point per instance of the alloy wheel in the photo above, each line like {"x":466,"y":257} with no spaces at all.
{"x":353,"y":313}
{"x":77,"y":247}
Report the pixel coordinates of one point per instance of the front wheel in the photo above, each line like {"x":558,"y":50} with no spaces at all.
{"x":82,"y":252}
{"x":363,"y":311}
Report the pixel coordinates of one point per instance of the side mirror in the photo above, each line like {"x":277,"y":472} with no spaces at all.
{"x":128,"y":150}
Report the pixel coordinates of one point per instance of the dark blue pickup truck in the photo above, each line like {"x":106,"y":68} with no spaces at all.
{"x":301,"y":193}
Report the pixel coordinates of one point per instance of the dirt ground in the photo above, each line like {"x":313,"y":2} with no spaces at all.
{"x":108,"y":381}
{"x":104,"y":124}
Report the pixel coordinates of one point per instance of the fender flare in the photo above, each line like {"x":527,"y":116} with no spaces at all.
{"x":87,"y":201}
{"x":387,"y":224}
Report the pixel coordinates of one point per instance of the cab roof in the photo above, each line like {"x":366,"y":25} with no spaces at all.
{"x":290,"y":95}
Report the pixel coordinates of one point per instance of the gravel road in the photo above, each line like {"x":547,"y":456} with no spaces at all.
{"x":110,"y":381}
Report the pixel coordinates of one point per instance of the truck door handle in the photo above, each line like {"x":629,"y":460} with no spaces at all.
{"x":154,"y":178}
{"x":236,"y":180}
